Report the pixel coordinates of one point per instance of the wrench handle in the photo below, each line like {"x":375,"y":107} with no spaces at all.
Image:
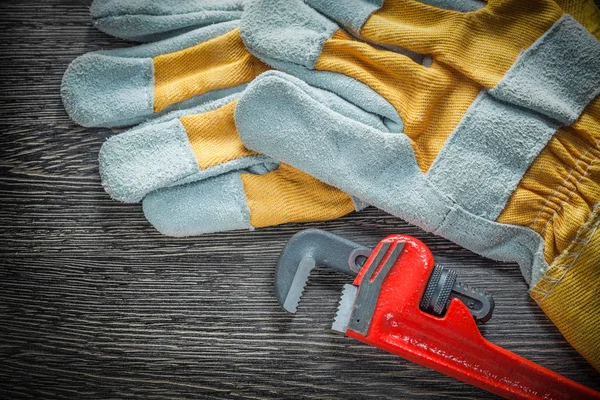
{"x":451,"y":344}
{"x":476,"y":362}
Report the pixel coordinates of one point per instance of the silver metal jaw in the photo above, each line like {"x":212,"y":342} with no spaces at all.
{"x":365,"y":300}
{"x":344,"y":310}
{"x":307,"y":250}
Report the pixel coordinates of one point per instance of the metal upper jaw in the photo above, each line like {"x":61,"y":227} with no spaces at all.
{"x":362,"y":300}
{"x":305,"y":251}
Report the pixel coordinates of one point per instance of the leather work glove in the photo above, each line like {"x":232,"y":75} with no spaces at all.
{"x":186,"y":161}
{"x":491,"y":131}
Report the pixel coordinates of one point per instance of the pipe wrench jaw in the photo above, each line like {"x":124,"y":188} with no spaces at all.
{"x":362,"y":301}
{"x":413,"y":277}
{"x":307,"y":250}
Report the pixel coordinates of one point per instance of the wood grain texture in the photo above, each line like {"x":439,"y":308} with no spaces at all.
{"x":95,"y":304}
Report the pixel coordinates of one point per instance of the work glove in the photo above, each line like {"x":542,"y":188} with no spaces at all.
{"x":185,"y":160}
{"x":492,"y":126}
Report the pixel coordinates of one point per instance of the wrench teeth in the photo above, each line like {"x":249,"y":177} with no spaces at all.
{"x":294,"y":308}
{"x":297,"y":288}
{"x":344,"y":311}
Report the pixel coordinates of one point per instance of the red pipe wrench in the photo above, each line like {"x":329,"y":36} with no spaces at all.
{"x":403,"y":303}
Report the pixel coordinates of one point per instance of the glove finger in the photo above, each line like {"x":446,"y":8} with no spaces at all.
{"x":126,"y":86}
{"x":414,"y":91}
{"x":180,"y":147}
{"x":211,"y":205}
{"x":149,"y":20}
{"x":239,"y":200}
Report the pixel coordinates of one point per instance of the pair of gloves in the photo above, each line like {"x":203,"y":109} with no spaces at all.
{"x":477,"y":121}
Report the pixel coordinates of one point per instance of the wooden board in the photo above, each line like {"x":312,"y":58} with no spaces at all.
{"x":95,"y":304}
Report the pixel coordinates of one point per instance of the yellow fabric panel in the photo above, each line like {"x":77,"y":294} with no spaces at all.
{"x":569,"y":291}
{"x":585,"y":12}
{"x":482,"y":44}
{"x":214,"y":137}
{"x":290,"y":195}
{"x":219,"y":63}
{"x":431,"y":101}
{"x":558,"y":192}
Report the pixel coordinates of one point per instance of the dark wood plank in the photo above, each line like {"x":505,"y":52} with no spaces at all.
{"x":94,"y":303}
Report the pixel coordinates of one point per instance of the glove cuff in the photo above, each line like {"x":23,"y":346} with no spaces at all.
{"x":568,"y":292}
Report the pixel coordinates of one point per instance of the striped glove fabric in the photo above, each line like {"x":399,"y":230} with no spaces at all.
{"x":185,"y":160}
{"x":488,"y":134}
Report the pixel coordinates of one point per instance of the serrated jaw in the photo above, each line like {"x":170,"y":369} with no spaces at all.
{"x":344,"y":311}
{"x":298,"y":284}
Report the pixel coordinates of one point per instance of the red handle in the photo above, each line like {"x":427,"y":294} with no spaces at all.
{"x":452,"y":344}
